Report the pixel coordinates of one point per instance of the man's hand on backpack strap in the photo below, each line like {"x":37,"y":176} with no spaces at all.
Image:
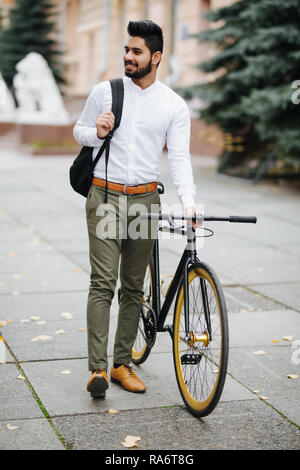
{"x":104,"y":124}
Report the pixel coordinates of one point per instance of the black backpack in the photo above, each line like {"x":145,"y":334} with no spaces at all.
{"x":81,"y":171}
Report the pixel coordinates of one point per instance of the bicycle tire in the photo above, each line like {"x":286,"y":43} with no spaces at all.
{"x":201,"y":364}
{"x":141,"y":349}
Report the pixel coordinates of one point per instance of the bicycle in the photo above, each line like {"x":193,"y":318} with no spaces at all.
{"x":199,"y":331}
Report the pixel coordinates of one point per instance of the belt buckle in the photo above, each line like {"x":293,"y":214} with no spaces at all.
{"x":124,"y":188}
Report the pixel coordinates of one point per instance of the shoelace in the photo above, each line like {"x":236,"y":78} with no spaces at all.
{"x":129,"y":370}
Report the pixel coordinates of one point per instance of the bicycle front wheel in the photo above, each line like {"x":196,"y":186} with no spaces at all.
{"x":201,"y":357}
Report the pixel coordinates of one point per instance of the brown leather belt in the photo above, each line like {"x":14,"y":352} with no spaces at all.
{"x":124,"y":188}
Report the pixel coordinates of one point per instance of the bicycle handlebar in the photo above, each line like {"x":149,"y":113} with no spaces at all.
{"x":200,"y":218}
{"x":233,"y":218}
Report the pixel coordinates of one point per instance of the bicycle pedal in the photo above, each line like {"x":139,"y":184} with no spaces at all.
{"x":191,"y":358}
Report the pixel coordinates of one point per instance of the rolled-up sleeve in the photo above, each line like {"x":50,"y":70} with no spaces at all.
{"x":85,"y":131}
{"x":178,"y":143}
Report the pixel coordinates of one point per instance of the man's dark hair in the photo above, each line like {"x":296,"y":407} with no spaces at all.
{"x":149,"y":31}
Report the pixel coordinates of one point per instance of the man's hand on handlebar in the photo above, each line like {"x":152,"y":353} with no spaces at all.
{"x":192,"y":211}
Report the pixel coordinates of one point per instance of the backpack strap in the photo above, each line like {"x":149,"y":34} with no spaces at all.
{"x":117,"y":89}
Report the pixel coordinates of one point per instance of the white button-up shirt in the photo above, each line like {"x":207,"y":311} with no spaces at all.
{"x":151,"y":117}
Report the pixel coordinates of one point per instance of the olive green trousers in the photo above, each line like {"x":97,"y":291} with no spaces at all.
{"x":117,"y":241}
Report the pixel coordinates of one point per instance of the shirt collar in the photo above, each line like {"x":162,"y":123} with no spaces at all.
{"x":144,"y":91}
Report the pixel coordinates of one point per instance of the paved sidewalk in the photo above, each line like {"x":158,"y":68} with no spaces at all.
{"x":43,"y":291}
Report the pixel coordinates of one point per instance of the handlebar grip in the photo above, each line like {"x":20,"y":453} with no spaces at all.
{"x":242,"y":219}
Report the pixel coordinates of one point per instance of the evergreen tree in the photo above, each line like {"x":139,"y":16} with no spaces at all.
{"x":30,"y":31}
{"x":257,"y":63}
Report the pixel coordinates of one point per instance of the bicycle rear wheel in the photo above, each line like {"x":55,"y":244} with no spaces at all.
{"x":200,"y":360}
{"x":146,"y":333}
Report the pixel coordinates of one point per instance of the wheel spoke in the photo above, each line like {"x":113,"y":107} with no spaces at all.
{"x":141,"y":348}
{"x":200,"y":382}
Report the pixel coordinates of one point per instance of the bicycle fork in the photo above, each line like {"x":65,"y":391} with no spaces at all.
{"x":190,"y":337}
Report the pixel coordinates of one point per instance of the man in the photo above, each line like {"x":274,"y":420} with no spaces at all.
{"x":152,"y":115}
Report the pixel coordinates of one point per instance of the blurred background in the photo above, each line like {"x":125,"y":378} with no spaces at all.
{"x":235,"y":62}
{"x":83,"y":44}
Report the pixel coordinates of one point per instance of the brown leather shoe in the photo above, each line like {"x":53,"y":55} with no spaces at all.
{"x":98,"y":383}
{"x":125,"y":376}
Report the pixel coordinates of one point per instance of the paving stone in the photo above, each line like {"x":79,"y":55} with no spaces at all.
{"x":259,"y":329}
{"x":35,"y":262}
{"x":268,"y":374}
{"x":286,"y":293}
{"x":46,"y":306}
{"x":248,"y":425}
{"x":71,"y":396}
{"x":19,"y":402}
{"x":73,"y":279}
{"x":22,"y":338}
{"x":32,"y":434}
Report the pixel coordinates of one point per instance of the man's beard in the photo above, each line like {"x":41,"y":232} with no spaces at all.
{"x":139,"y":73}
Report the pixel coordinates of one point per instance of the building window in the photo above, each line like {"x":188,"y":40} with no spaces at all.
{"x":206,"y":3}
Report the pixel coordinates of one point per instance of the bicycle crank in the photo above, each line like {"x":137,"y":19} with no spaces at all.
{"x":150,"y":327}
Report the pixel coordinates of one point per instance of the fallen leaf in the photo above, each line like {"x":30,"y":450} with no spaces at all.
{"x":259,"y":353}
{"x":20,"y":377}
{"x":274,"y":340}
{"x":66,"y":372}
{"x":292,"y":376}
{"x":42,"y":322}
{"x":111,"y":411}
{"x":34,"y":241}
{"x":131,"y":441}
{"x":60,"y":332}
{"x":76,"y":270}
{"x":41,"y":338}
{"x":263,"y":398}
{"x":67,"y":315}
{"x":255,"y":391}
{"x":34,"y":318}
{"x":287,"y":338}
{"x":10,"y":427}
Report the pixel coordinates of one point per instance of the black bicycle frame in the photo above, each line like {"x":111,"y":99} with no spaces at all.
{"x":188,"y":257}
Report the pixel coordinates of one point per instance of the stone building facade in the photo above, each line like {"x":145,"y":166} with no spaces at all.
{"x":92,"y":35}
